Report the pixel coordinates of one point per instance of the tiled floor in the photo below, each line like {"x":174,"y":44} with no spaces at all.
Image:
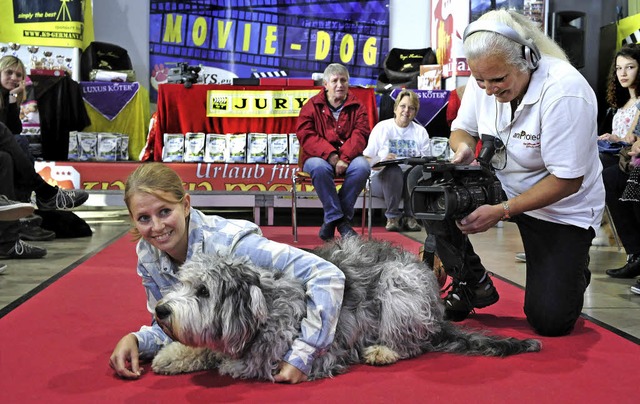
{"x":608,"y":301}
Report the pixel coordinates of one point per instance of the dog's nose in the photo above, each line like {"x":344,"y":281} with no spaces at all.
{"x":163,"y":311}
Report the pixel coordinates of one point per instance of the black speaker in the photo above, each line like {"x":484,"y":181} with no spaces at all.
{"x":568,"y":30}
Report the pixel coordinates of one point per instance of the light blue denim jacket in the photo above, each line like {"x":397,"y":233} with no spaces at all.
{"x":324,"y":282}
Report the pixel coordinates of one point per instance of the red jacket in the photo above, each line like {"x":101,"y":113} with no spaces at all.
{"x":320,"y":134}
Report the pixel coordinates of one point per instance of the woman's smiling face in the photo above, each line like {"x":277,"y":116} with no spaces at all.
{"x":504,"y":81}
{"x":161,"y":223}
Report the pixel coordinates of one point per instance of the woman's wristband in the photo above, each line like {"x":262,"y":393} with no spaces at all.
{"x":506,"y":211}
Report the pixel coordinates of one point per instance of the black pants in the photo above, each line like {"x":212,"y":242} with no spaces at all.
{"x":625,"y":215}
{"x":557,"y":273}
{"x":19,"y":178}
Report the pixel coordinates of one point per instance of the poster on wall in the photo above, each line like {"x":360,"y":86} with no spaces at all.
{"x":450,"y":18}
{"x":535,"y":10}
{"x":61,"y":23}
{"x":265,"y":38}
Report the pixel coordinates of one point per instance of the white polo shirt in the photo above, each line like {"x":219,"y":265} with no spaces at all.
{"x":554,"y":131}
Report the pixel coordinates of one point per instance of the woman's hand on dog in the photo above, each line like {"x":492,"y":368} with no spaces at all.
{"x":125,"y":353}
{"x":289,"y":374}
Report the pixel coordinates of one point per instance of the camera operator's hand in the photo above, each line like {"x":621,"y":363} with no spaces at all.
{"x":481,"y":219}
{"x":463,"y":155}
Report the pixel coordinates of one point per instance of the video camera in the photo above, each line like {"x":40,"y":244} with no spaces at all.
{"x":454,"y":190}
{"x":183,"y":74}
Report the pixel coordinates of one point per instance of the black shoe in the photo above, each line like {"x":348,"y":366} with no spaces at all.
{"x":63,"y":199}
{"x":32,"y":232}
{"x":22,"y":249}
{"x":345,"y":230}
{"x":462,"y":299}
{"x":32,"y":219}
{"x":327,"y":231}
{"x":630,"y":270}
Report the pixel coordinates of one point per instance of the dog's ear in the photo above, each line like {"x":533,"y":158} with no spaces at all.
{"x":242,"y":311}
{"x":258,"y":304}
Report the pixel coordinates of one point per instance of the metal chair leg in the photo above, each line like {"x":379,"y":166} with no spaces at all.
{"x":294,"y":209}
{"x":370,"y":208}
{"x":613,"y":227}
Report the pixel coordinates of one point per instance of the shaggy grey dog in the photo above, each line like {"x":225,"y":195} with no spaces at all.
{"x":242,"y":319}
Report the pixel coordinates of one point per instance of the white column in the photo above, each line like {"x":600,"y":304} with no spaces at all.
{"x":409,"y":24}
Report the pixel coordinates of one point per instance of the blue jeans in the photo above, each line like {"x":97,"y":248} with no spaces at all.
{"x":338,"y":204}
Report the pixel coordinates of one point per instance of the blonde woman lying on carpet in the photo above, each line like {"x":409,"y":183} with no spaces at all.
{"x":170,"y":232}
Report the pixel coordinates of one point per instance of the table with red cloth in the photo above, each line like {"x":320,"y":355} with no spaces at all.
{"x":182,"y":110}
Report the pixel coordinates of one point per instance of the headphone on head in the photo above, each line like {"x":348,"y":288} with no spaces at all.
{"x":530,"y":52}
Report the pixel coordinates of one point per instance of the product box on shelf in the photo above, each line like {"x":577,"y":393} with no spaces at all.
{"x":94,"y":146}
{"x":237,"y":148}
{"x":257,"y":149}
{"x":194,"y":145}
{"x":173,"y":149}
{"x":215,"y":150}
{"x":278,"y":146}
{"x":294,"y":148}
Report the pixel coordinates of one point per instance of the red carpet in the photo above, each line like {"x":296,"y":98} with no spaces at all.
{"x":55,"y":347}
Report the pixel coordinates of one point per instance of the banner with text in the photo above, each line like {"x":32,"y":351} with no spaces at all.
{"x":257,"y":104}
{"x":63,"y":23}
{"x":264,"y":38}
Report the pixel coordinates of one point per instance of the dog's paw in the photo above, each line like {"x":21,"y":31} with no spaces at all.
{"x":176,"y":358}
{"x":380,"y":355}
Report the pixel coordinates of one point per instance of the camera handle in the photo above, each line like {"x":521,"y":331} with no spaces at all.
{"x":487,"y":151}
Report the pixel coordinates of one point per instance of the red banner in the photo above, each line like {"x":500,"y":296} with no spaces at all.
{"x":198,"y":177}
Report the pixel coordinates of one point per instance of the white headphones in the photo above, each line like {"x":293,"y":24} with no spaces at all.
{"x":530,"y":52}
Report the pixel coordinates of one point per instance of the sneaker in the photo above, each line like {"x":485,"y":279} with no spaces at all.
{"x":411,"y":224}
{"x":462,"y":299}
{"x":12,"y":210}
{"x":521,"y":257}
{"x":345,"y":230}
{"x":22,"y":249}
{"x":31,"y":232}
{"x":64,"y":199}
{"x":636,"y":288}
{"x":630,"y":270}
{"x":3,"y":267}
{"x":393,"y":224}
{"x":32,"y":219}
{"x":327,"y":231}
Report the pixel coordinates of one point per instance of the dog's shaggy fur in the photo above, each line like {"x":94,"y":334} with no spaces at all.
{"x":242,"y":319}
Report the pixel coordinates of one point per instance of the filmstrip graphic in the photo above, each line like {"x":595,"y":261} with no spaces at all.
{"x":295,"y":37}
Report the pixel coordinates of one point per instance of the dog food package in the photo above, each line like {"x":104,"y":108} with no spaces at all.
{"x":294,"y":148}
{"x":257,"y":148}
{"x":87,"y":146}
{"x":123,"y":147}
{"x":173,"y":149}
{"x":215,"y":149}
{"x":194,"y":146}
{"x":107,"y":147}
{"x":237,"y":147}
{"x":278,"y":148}
{"x":72,"y":155}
